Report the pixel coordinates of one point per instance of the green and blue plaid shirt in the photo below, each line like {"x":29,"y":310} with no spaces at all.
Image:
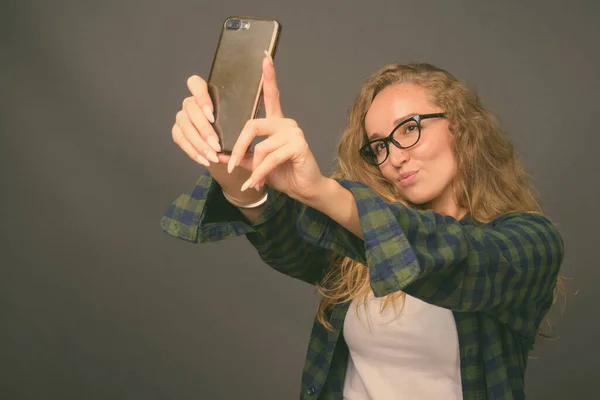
{"x":497,"y":278}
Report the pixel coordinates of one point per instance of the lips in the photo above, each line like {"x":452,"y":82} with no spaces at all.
{"x":407,"y":174}
{"x":408,"y":178}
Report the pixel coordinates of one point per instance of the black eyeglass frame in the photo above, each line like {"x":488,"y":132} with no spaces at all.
{"x":368,"y":154}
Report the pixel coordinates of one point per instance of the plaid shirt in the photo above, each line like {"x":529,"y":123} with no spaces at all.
{"x":497,"y":278}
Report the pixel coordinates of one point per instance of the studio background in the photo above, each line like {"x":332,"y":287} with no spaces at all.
{"x":97,"y":303}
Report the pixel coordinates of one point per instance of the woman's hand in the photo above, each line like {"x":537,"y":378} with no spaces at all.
{"x":194,"y":134}
{"x":193,"y":131}
{"x":283,"y":160}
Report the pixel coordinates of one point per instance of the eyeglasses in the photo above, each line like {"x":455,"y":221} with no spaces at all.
{"x":405,"y":135}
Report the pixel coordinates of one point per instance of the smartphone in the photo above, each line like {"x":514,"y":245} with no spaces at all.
{"x":235,"y":80}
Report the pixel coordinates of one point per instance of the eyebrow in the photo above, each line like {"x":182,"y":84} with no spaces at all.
{"x":395,"y":123}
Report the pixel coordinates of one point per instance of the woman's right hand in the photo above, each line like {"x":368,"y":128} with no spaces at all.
{"x":193,"y":131}
{"x":194,"y":134}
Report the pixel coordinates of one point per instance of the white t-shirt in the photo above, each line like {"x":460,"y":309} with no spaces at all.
{"x":411,"y":356}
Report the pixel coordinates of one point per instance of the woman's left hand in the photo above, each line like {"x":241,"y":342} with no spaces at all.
{"x":283,"y":160}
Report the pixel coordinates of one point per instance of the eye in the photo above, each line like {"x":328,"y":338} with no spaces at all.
{"x":410,"y":127}
{"x":377,"y":147}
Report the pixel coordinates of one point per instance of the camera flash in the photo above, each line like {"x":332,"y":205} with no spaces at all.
{"x":245,"y":24}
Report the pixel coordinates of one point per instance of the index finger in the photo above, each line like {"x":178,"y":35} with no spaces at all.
{"x":199,"y":90}
{"x":270,"y":89}
{"x":253,"y":128}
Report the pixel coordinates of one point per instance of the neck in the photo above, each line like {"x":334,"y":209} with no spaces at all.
{"x":451,"y":210}
{"x":447,"y":205}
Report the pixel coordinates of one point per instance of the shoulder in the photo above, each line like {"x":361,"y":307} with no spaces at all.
{"x":524,"y":220}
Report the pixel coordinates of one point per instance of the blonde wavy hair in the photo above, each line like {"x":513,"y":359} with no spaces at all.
{"x":490,"y":180}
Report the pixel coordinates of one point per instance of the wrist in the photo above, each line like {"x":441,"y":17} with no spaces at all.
{"x":231,"y":184}
{"x":246,"y":205}
{"x":245,"y":197}
{"x":322,"y":192}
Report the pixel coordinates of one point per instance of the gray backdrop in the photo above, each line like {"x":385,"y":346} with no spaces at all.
{"x":97,"y":303}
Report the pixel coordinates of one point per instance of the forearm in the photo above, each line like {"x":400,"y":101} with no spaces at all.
{"x":252,"y":213}
{"x":332,"y":199}
{"x":247,"y":198}
{"x":337,"y":203}
{"x":462,"y":265}
{"x":281,"y":246}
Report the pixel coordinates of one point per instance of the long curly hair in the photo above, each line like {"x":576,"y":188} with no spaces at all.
{"x":489,"y":182}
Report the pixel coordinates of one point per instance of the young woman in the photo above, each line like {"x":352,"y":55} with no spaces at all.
{"x":433,"y":259}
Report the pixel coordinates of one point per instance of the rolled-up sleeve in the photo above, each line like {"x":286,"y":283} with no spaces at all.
{"x":203,"y":215}
{"x":510,"y":263}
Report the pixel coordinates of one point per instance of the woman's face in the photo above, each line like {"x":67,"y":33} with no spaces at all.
{"x":422,"y":174}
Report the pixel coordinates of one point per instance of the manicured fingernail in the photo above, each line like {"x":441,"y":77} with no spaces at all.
{"x":211,"y":155}
{"x":246,"y":184}
{"x":257,"y":187}
{"x":214,"y":143}
{"x":231,"y":164}
{"x":203,"y":161}
{"x":209,"y":114}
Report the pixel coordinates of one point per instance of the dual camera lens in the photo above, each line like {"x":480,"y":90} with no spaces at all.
{"x":236,"y":24}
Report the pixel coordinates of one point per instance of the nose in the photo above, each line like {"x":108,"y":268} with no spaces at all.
{"x":397,"y":156}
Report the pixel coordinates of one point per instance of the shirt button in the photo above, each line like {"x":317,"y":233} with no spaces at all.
{"x":311,"y":391}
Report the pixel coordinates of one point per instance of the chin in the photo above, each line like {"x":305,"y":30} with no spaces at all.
{"x":416,"y":197}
